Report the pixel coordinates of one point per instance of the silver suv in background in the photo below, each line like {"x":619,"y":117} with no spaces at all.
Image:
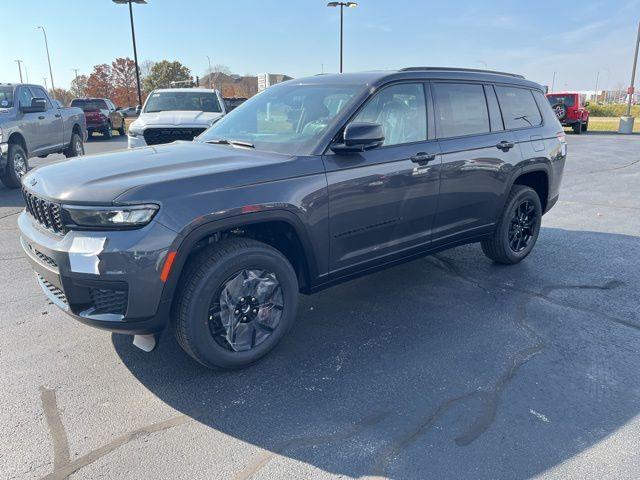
{"x":34,"y":125}
{"x":175,"y":114}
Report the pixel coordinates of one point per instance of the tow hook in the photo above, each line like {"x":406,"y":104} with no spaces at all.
{"x":145,"y":343}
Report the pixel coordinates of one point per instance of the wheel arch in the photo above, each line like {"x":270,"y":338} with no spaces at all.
{"x":18,"y":138}
{"x":537,"y":178}
{"x":282,"y":230}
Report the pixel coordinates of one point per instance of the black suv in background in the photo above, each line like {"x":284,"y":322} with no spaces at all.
{"x":308,"y":184}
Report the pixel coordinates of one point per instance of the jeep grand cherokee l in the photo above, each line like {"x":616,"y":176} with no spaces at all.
{"x":310,"y":183}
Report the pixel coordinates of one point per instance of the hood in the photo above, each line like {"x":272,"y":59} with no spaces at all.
{"x":101,"y":179}
{"x":176,"y":118}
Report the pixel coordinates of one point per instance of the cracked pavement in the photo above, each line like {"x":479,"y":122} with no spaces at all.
{"x":445,"y":367}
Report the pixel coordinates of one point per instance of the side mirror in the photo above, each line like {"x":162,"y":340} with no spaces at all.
{"x":360,"y":136}
{"x":37,"y":105}
{"x":138,"y":109}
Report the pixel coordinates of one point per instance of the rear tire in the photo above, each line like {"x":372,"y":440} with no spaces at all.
{"x":577,"y":128}
{"x":122,"y":130}
{"x":108,"y":133}
{"x":503,"y":247}
{"x":215,"y":290}
{"x":75,"y":148}
{"x":585,"y":126}
{"x":17,"y":166}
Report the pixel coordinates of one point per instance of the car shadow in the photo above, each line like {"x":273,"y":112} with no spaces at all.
{"x":439,"y":367}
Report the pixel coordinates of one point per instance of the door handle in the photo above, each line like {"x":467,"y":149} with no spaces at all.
{"x":422,"y":158}
{"x":41,"y":117}
{"x":505,"y":146}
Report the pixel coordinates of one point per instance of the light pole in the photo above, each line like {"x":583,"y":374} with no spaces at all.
{"x":595,"y":92}
{"x":46,"y":44}
{"x":553,"y":81}
{"x":76,"y":72}
{"x":19,"y":68}
{"x":45,"y":83}
{"x":342,"y":5}
{"x":626,"y":122}
{"x":210,"y":71}
{"x":133,"y":36}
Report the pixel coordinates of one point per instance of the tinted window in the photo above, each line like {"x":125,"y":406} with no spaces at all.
{"x":401,"y":111}
{"x":39,"y":92}
{"x":25,"y":97}
{"x":567,"y":100}
{"x":6,"y":97}
{"x":461,"y":109}
{"x":494,"y":109}
{"x":519,"y":109}
{"x":89,"y":104}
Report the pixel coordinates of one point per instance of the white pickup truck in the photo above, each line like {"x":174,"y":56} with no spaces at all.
{"x":32,"y":124}
{"x":175,"y":114}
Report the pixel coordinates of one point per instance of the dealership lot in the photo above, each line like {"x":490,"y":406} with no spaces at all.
{"x":445,"y":367}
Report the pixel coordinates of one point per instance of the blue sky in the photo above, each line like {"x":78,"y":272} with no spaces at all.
{"x":575,"y":39}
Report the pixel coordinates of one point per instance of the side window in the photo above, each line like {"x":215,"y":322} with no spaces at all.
{"x":519,"y":109}
{"x":401,"y":111}
{"x":39,"y":92}
{"x":25,"y":97}
{"x":494,"y":109}
{"x":461,"y":109}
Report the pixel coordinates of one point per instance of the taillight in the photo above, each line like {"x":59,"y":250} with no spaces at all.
{"x":562,"y":137}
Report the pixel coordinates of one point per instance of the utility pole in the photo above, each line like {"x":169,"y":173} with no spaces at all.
{"x":19,"y":68}
{"x":553,"y":81}
{"x":595,"y":92}
{"x":210,"y":71}
{"x":76,"y":70}
{"x":45,"y":83}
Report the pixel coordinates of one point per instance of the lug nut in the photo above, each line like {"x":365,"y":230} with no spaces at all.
{"x":237,"y":312}
{"x":244,"y":319}
{"x":255,"y":310}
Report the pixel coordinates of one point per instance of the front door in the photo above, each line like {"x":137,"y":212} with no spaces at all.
{"x":49,"y":123}
{"x":382,"y":202}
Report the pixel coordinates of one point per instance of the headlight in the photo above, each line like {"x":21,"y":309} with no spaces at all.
{"x":110,"y":217}
{"x":134,"y":131}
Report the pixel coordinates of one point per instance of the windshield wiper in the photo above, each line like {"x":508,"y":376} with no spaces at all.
{"x":524,"y":117}
{"x":224,"y":141}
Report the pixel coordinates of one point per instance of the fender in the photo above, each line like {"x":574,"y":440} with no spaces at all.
{"x":184,"y":243}
{"x":541,"y":165}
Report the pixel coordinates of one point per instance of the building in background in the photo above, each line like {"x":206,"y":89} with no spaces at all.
{"x":265,"y":80}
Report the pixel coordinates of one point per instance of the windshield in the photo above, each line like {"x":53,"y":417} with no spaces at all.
{"x":6,"y":97}
{"x":186,"y":101}
{"x":284,"y":118}
{"x":88,"y":105}
{"x":564,"y":99}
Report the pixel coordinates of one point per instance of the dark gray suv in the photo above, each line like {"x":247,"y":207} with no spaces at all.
{"x":306,"y":185}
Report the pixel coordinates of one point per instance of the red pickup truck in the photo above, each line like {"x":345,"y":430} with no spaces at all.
{"x":102,"y":116}
{"x":570,"y":110}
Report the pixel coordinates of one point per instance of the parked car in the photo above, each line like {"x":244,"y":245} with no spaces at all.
{"x":570,"y":110}
{"x":102,"y":116}
{"x":233,"y":102}
{"x":34,"y":125}
{"x":175,"y":114}
{"x":130,"y":112}
{"x":216,"y":237}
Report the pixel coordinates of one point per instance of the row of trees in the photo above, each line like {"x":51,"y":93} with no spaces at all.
{"x":118,"y":81}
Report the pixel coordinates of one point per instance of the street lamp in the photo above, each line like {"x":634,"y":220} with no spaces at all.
{"x":341,"y":5}
{"x":19,"y":68}
{"x":210,"y":71}
{"x":133,"y":36}
{"x":46,"y":44}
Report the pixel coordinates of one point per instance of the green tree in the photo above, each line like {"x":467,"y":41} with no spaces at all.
{"x":163,"y":73}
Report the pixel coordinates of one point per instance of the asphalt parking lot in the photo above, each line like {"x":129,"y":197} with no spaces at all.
{"x":446,"y":367}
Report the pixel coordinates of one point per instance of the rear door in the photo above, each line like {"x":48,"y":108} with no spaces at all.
{"x":49,"y":122}
{"x":478,"y":155}
{"x":383,"y":201}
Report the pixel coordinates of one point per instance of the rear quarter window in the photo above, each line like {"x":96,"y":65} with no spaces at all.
{"x":519,"y":109}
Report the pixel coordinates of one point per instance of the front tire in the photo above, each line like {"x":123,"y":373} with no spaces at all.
{"x":518,"y":228}
{"x":75,"y":148}
{"x":236,"y":300}
{"x":122,"y":130}
{"x":17,"y":166}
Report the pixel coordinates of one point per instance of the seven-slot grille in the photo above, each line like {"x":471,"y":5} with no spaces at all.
{"x":155,"y":136}
{"x":46,"y":213}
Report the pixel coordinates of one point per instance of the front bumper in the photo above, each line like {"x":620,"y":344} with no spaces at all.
{"x":136,"y":142}
{"x":115,"y":286}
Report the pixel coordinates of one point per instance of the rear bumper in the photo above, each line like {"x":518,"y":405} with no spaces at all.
{"x":569,"y":122}
{"x":115,"y":287}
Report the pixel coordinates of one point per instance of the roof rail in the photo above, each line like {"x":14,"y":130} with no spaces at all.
{"x":456,"y":69}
